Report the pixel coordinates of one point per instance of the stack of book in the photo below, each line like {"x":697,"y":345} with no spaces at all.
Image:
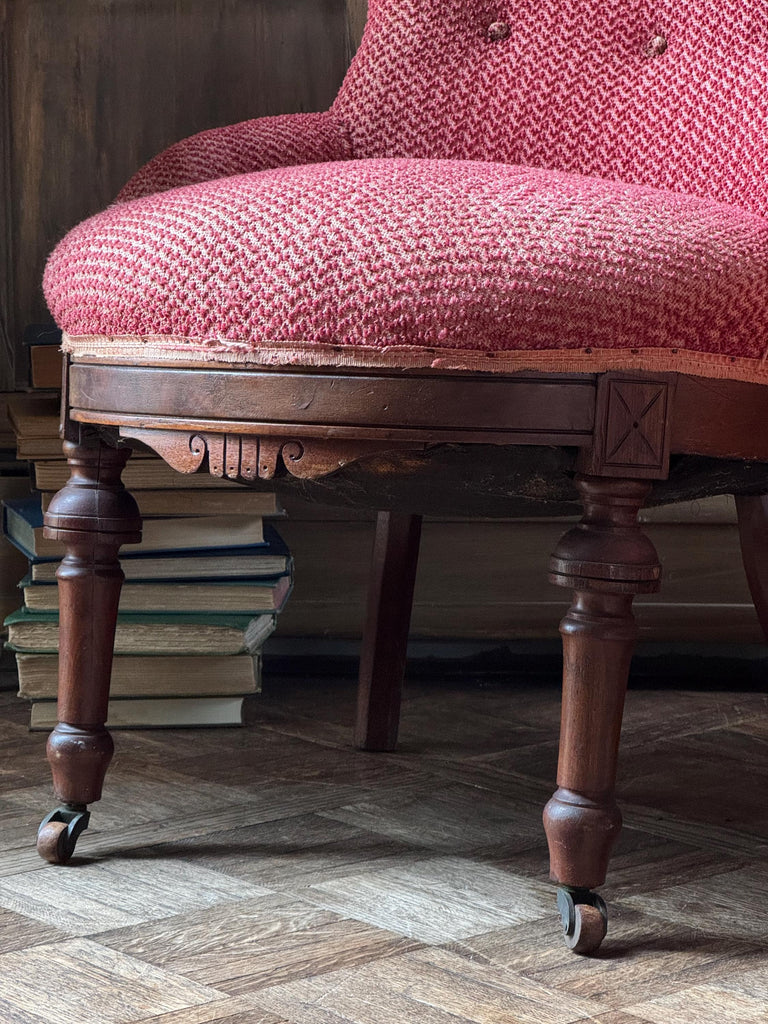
{"x":201,"y":592}
{"x":42,"y":342}
{"x":14,"y":483}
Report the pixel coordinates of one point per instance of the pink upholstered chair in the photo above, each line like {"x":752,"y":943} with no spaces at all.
{"x":519,"y":224}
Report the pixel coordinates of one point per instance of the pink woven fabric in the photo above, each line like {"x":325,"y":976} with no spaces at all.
{"x":438,"y":255}
{"x":239,"y":148}
{"x":579,"y":85}
{"x":578,"y":185}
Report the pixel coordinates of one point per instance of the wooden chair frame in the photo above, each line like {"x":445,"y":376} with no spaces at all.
{"x":259,"y":424}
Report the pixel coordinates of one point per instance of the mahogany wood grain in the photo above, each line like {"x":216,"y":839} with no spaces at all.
{"x":489,"y":480}
{"x":724,"y":418}
{"x":299,"y":431}
{"x":497,"y":409}
{"x":414,"y":406}
{"x":92,"y":515}
{"x":626,"y":424}
{"x":752,"y":511}
{"x":631,"y":426}
{"x":248,"y":458}
{"x":385,"y":639}
{"x":607,"y":560}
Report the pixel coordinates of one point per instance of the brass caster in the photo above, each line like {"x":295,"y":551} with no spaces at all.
{"x":585,"y":919}
{"x":59,"y":832}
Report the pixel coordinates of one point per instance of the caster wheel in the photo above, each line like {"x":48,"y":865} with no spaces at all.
{"x":585,"y":920}
{"x":59,"y":832}
{"x":589,"y":930}
{"x":53,"y":842}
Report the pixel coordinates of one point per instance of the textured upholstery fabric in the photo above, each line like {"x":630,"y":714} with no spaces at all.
{"x":574,"y":86}
{"x":565,"y":185}
{"x":451,"y":255}
{"x":236,"y":149}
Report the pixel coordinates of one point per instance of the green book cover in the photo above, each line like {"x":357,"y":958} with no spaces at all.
{"x":246,"y":596}
{"x":222,"y":620}
{"x":150,"y":632}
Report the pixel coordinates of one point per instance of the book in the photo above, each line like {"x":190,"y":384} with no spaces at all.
{"x":39,"y":448}
{"x":153,"y":713}
{"x":43,"y":342}
{"x":13,"y":565}
{"x":35,"y":418}
{"x":198,"y":501}
{"x":246,"y":596}
{"x":139,"y":675}
{"x":34,"y":415}
{"x":143,"y":474}
{"x":150,"y":632}
{"x":35,"y":421}
{"x":270,"y":558}
{"x":46,"y":366}
{"x":23,"y":526}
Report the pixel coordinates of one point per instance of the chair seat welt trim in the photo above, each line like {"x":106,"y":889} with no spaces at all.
{"x":177,"y":351}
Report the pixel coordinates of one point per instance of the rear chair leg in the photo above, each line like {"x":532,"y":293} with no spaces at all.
{"x":92,"y":516}
{"x":606,"y":559}
{"x":385,"y":640}
{"x":752,"y":511}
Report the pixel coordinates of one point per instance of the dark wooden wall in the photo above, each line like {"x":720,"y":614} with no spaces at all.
{"x":91,"y":89}
{"x":357,"y":12}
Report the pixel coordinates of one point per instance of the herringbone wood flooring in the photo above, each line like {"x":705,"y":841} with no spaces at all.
{"x":273,"y":874}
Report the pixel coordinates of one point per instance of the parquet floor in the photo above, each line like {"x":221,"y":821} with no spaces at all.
{"x":273,"y":875}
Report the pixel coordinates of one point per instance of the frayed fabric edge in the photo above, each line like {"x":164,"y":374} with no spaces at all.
{"x":185,"y":352}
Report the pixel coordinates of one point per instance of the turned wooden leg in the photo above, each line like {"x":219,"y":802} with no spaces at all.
{"x":385,"y":640}
{"x":92,"y":515}
{"x":606,"y":559}
{"x":752,"y":511}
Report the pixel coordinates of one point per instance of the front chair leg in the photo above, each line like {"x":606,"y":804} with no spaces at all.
{"x":93,"y":515}
{"x":385,"y":639}
{"x":606,"y":559}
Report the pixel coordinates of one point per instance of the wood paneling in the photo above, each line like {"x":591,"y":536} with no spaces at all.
{"x":357,"y":12}
{"x":91,"y":90}
{"x":7,"y":354}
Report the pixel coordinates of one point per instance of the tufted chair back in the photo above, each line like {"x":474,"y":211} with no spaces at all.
{"x":668,"y":93}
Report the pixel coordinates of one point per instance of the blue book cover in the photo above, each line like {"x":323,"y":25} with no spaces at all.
{"x":272,"y":558}
{"x":227,"y":539}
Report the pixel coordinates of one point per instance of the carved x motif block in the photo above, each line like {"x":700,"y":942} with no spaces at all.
{"x":632,"y":426}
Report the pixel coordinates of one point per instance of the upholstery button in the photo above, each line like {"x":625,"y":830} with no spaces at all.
{"x":656,"y":47}
{"x":498,"y":30}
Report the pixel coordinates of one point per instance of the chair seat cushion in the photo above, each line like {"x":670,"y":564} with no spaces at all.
{"x":404,"y":262}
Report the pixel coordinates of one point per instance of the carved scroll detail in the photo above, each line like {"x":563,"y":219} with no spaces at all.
{"x":245,"y":457}
{"x":184,"y":452}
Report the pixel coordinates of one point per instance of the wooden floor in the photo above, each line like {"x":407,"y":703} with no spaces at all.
{"x":273,"y":874}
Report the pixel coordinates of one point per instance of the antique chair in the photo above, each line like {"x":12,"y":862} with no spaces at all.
{"x":538,"y":224}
